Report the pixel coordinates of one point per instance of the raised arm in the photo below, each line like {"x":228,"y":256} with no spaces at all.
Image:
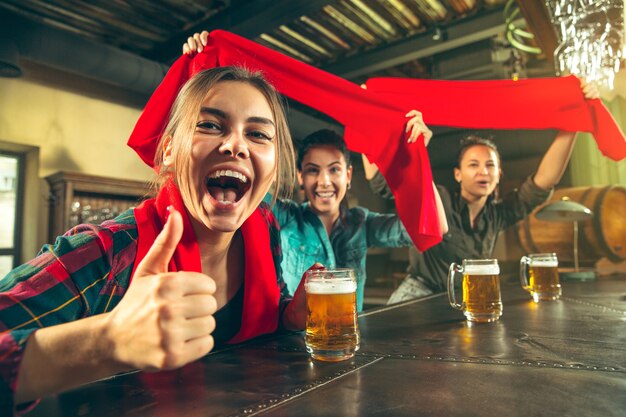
{"x":370,"y":169}
{"x":414,"y":128}
{"x":554,"y":161}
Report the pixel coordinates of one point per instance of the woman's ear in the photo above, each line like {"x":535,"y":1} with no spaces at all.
{"x":300,"y":182}
{"x":457,"y":175}
{"x":168,"y":158}
{"x":349,"y":174}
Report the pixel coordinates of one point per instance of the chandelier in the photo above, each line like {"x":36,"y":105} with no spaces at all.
{"x":590,"y":37}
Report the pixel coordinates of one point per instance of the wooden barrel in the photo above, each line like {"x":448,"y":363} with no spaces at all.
{"x":603,"y":236}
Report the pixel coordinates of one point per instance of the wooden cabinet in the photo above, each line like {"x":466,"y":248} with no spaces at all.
{"x":80,"y":198}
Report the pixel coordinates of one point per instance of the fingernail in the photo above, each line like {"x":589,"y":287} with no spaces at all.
{"x":407,"y":115}
{"x":169,"y":210}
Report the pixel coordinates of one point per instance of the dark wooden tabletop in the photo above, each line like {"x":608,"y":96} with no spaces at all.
{"x":419,"y":358}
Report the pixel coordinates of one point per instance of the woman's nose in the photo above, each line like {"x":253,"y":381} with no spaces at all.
{"x":235,"y":145}
{"x":323,"y":179}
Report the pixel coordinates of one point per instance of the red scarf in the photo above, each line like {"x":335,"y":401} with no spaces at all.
{"x":374,"y":118}
{"x":261,"y":293}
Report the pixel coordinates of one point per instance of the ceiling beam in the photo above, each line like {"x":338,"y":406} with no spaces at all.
{"x":422,"y":45}
{"x":249,"y":20}
{"x":538,"y":19}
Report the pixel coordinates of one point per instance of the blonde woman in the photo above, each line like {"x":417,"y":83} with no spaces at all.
{"x":161,"y":285}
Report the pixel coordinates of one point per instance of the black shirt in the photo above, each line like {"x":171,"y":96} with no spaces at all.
{"x":228,"y":319}
{"x":462,"y":241}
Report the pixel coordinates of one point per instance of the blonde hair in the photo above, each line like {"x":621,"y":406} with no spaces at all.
{"x":183,"y":118}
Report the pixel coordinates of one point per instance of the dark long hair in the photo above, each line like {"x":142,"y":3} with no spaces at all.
{"x":322,"y":137}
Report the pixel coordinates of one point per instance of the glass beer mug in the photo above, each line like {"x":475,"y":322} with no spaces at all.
{"x":332,"y":332}
{"x":540,"y":276}
{"x":481,"y":289}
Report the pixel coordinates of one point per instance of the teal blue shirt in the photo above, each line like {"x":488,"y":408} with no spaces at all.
{"x":304,"y":240}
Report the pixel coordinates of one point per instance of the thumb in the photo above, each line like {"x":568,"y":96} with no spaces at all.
{"x":162,"y":250}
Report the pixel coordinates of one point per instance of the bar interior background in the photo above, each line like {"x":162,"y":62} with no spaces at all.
{"x":76,"y":75}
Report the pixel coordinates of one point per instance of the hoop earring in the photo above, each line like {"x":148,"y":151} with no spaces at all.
{"x":302,"y":186}
{"x":349,"y":185}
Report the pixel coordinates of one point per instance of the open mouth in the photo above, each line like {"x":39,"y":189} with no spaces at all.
{"x":325,"y":194}
{"x":227,"y":186}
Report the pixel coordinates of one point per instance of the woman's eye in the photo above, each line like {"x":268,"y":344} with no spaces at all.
{"x":257,"y":134}
{"x":207,"y":125}
{"x":335,"y":170}
{"x":310,"y":171}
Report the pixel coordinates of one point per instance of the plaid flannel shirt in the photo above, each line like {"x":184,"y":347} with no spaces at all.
{"x":86,"y":272}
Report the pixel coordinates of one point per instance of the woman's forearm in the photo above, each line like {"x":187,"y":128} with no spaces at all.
{"x":554,"y":162}
{"x":370,"y":169}
{"x":441,"y":213}
{"x":61,"y":357}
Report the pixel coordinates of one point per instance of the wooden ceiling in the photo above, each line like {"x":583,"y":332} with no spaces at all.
{"x":126,"y":45}
{"x":352,"y":38}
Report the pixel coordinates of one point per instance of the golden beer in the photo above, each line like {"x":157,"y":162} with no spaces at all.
{"x":481,"y":297}
{"x":481,"y":289}
{"x":542,"y":281}
{"x":332,"y":332}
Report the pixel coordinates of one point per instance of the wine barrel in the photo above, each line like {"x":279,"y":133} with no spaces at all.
{"x":602,"y":236}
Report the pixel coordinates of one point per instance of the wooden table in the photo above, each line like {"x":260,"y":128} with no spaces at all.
{"x":565,"y":358}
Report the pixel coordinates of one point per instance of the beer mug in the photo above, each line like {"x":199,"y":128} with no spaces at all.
{"x":332,"y":332}
{"x":481,"y":289}
{"x":540,"y":276}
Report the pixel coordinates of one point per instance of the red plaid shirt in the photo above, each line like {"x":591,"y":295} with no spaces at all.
{"x":86,"y":272}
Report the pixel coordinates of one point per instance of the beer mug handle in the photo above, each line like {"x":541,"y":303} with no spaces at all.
{"x":454,"y":268}
{"x":523,"y":272}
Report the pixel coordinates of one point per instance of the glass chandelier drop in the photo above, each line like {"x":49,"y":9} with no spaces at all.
{"x":591,"y":38}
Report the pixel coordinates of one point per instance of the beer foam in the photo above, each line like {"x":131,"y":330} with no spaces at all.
{"x":493,"y":269}
{"x":330,"y":287}
{"x":544,"y":262}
